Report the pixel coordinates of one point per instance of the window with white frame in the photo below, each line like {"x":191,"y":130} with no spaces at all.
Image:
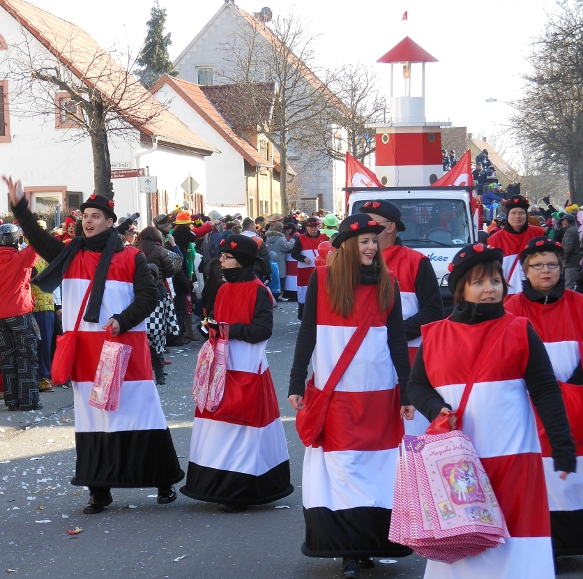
{"x":204,"y":75}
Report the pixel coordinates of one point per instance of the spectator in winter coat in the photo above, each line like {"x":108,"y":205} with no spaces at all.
{"x":572,"y":249}
{"x":263,"y":267}
{"x":277,"y":242}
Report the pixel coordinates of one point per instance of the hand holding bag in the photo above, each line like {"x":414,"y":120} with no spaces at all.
{"x":64,"y":357}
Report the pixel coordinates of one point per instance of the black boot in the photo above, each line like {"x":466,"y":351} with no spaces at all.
{"x":166,"y":495}
{"x":349,"y":568}
{"x":98,"y":500}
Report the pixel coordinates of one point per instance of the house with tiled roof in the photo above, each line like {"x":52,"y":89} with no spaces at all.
{"x":48,"y":151}
{"x":244,"y":178}
{"x":202,"y":61}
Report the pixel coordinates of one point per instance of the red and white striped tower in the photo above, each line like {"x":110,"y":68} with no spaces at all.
{"x":408,"y":148}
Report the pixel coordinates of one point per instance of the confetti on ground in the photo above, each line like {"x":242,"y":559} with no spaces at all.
{"x":178,"y":559}
{"x":65,"y":516}
{"x":132,"y":507}
{"x":44,"y":521}
{"x":36,"y":458}
{"x":152,"y":496}
{"x":10,"y":570}
{"x":387,"y":561}
{"x":75,"y":531}
{"x":282,"y":507}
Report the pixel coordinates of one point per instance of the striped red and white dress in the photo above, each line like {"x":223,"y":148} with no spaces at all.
{"x":349,"y":474}
{"x":511,"y":245}
{"x":500,"y":422}
{"x":304,"y":271}
{"x":238,"y":454}
{"x":291,"y":274}
{"x":131,"y":447}
{"x":404,"y":263}
{"x":562,"y":333}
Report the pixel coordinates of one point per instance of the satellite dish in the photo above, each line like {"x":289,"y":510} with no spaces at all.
{"x":265,"y":15}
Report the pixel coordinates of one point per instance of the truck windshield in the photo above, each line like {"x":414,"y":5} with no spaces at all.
{"x":434,"y":222}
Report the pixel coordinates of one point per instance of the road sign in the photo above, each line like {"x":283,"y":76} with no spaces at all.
{"x":122,"y":165}
{"x":148,"y":184}
{"x":125,"y":173}
{"x":190,"y":185}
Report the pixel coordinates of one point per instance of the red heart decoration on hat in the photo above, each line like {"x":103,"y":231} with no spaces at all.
{"x":463,"y":254}
{"x":376,"y":204}
{"x":233,"y":244}
{"x":354,"y":226}
{"x":222,"y":242}
{"x":540,"y":243}
{"x":450,"y":267}
{"x":93,"y":196}
{"x":517,"y":201}
{"x":479,"y":247}
{"x":373,"y":223}
{"x":110,"y":203}
{"x":558,"y":244}
{"x":368,"y":204}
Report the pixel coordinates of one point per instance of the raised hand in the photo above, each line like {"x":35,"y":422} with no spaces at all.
{"x":15,"y":190}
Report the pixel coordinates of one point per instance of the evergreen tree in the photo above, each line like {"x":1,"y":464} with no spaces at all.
{"x":154,"y":58}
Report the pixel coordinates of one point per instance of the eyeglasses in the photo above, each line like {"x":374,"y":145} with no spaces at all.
{"x":225,"y":257}
{"x":539,"y":266}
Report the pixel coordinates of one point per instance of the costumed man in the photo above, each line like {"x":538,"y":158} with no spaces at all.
{"x":420,"y":296}
{"x":512,"y":238}
{"x":132,"y":447}
{"x":305,"y":252}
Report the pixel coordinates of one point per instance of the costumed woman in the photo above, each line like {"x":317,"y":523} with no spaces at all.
{"x":555,"y":314}
{"x":498,"y":418}
{"x":131,"y":447}
{"x":238,"y":454}
{"x":349,"y":469}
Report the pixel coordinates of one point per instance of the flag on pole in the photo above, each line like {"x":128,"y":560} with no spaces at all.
{"x":404,"y":17}
{"x":459,"y":176}
{"x":357,"y":175}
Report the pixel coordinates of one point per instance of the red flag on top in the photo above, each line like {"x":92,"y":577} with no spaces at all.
{"x":459,"y":176}
{"x":357,"y":175}
{"x":404,"y":17}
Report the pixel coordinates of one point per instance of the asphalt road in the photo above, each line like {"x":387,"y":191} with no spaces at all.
{"x":135,"y":537}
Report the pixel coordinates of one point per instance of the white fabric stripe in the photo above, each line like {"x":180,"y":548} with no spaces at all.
{"x":139,"y":409}
{"x":312,"y":254}
{"x":367,"y":371}
{"x":517,"y":275}
{"x":118,"y":295}
{"x":513,"y":428}
{"x":409,"y":304}
{"x":517,"y":558}
{"x":564,"y":495}
{"x":245,"y":357}
{"x":348,"y":479}
{"x":236,"y":448}
{"x":414,"y":343}
{"x":291,"y":283}
{"x":302,"y":290}
{"x":417,"y":426}
{"x":564,"y":358}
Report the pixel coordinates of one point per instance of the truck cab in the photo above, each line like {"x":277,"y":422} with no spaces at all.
{"x":437,"y":222}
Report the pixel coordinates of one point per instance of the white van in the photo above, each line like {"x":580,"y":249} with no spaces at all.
{"x":437,"y":221}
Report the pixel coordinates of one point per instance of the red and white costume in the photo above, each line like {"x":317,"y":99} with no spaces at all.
{"x":561,"y":329}
{"x":512,"y":244}
{"x":309,"y":248}
{"x":132,"y":446}
{"x":238,"y":454}
{"x":349,"y":474}
{"x":291,"y":274}
{"x":500,"y":422}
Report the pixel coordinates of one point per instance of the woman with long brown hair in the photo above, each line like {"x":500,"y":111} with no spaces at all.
{"x":349,"y":469}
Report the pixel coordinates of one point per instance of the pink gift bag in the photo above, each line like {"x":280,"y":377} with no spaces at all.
{"x":110,"y":374}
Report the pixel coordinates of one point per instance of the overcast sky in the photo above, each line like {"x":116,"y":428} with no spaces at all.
{"x":480,"y":46}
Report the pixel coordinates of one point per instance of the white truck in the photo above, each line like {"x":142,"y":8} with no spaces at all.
{"x":437,"y":222}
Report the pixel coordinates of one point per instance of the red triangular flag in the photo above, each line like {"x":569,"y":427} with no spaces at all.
{"x":404,"y":17}
{"x":357,"y":175}
{"x":459,"y":176}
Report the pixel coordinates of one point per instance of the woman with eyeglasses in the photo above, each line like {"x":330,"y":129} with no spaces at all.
{"x":555,"y":314}
{"x":238,"y":454}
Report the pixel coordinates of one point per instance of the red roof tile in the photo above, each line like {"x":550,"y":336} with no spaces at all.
{"x":407,"y":51}
{"x":88,"y":61}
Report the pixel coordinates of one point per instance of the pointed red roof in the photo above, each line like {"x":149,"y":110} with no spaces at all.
{"x":407,"y":51}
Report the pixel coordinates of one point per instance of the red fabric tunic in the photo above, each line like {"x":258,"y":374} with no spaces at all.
{"x":309,"y":249}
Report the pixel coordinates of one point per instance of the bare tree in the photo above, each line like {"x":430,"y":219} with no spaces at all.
{"x":346,"y":126}
{"x":282,"y":55}
{"x":102,"y":97}
{"x":549,"y":117}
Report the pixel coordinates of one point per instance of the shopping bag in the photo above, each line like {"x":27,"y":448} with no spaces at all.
{"x":310,"y":419}
{"x":202,"y":373}
{"x":62,"y":364}
{"x":218,"y":374}
{"x":444,"y":506}
{"x":110,"y":374}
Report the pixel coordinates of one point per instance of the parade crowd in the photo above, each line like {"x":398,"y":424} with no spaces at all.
{"x":386,"y":362}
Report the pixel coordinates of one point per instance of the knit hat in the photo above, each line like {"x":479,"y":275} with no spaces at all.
{"x":469,"y":256}
{"x":161,"y":219}
{"x":100,"y":202}
{"x":540,"y":244}
{"x":330,"y":220}
{"x":516,"y":202}
{"x":183,"y":218}
{"x":353,"y":225}
{"x":385,"y":209}
{"x":312,"y":221}
{"x":70,"y":219}
{"x":241,"y":247}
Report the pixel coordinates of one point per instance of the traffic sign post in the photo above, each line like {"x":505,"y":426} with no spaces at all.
{"x":148,"y":184}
